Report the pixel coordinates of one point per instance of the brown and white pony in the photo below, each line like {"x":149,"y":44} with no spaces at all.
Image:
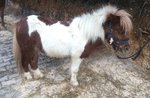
{"x":35,"y":34}
{"x":2,"y":7}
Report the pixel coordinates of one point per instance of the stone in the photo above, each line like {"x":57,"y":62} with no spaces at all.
{"x":9,"y":82}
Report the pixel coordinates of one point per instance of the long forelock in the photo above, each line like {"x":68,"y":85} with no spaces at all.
{"x":125,"y":20}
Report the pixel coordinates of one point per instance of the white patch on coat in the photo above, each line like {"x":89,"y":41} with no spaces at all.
{"x":57,"y":39}
{"x":111,"y":41}
{"x":27,"y":75}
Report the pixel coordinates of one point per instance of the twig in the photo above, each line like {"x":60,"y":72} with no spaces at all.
{"x":144,"y":31}
{"x":142,"y":7}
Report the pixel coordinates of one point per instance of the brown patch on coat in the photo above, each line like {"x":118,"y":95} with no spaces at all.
{"x":49,"y":21}
{"x":29,"y":45}
{"x":23,"y":42}
{"x":36,"y":46}
{"x":90,"y":47}
{"x":36,"y":41}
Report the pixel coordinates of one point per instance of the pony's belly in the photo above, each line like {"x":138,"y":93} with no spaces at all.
{"x":57,"y":49}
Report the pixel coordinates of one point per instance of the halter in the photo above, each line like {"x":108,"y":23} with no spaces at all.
{"x":115,"y":42}
{"x":137,"y":53}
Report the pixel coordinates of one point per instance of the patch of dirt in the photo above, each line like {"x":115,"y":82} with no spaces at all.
{"x":101,"y":75}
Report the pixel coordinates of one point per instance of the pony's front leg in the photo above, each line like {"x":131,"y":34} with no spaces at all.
{"x":28,"y":76}
{"x":74,"y":70}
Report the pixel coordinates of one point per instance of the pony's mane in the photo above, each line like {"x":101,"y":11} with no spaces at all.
{"x":91,"y":24}
{"x":105,"y":10}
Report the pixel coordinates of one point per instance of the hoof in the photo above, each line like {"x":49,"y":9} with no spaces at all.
{"x":74,"y":83}
{"x":27,"y":76}
{"x":37,"y":74}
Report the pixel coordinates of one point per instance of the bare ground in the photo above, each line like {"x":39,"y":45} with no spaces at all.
{"x":102,"y":75}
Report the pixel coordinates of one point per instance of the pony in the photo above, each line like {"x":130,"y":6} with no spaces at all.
{"x":76,"y":39}
{"x":2,"y":7}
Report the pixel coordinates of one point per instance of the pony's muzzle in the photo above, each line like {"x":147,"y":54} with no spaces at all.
{"x":121,"y":45}
{"x":124,"y":47}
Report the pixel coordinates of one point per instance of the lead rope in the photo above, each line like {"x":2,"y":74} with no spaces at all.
{"x":136,"y":54}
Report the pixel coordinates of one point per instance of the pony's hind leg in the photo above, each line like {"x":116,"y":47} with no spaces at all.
{"x":28,"y":76}
{"x":25,"y":63}
{"x":34,"y":61}
{"x":74,"y":70}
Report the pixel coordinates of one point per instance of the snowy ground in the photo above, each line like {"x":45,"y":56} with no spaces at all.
{"x":102,"y":75}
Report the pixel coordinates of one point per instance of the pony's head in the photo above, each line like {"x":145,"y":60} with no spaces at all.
{"x":117,"y":28}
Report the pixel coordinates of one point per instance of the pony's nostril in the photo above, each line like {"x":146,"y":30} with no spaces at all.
{"x":126,"y":48}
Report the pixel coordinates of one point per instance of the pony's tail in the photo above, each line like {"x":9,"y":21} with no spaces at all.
{"x":17,"y":52}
